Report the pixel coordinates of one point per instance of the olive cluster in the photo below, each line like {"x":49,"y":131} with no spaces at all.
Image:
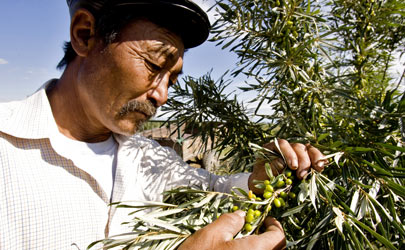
{"x":276,"y":192}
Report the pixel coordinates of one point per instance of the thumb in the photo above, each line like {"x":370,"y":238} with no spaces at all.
{"x":227,"y":225}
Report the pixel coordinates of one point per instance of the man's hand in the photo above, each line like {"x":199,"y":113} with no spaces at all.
{"x":219,"y":235}
{"x":298,"y":157}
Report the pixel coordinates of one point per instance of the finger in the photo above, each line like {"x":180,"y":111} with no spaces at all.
{"x":304,"y":161}
{"x":273,"y":238}
{"x":272,"y":224}
{"x":316,"y":158}
{"x":288,"y":152}
{"x":226,"y":226}
{"x":277,"y":166}
{"x":274,"y":228}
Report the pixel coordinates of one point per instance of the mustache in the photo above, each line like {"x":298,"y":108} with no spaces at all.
{"x":145,"y":107}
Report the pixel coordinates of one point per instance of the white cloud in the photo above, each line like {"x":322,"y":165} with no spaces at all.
{"x":3,"y":61}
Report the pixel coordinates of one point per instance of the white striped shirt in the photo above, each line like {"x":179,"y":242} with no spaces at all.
{"x":47,"y":202}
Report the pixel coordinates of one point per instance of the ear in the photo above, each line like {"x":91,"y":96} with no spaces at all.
{"x":82,"y":31}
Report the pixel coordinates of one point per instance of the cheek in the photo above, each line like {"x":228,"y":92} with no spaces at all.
{"x":133,"y":82}
{"x":117,"y":78}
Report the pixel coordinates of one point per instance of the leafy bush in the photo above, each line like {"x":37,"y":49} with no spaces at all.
{"x":324,"y":68}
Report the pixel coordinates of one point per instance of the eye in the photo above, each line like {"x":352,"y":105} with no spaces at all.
{"x":152,"y":66}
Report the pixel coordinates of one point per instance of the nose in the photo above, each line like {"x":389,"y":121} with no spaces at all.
{"x":158,"y":95}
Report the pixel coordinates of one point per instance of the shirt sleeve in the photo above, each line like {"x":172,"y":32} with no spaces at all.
{"x":170,"y":171}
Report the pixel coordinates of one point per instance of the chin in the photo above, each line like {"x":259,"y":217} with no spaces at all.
{"x":129,"y":127}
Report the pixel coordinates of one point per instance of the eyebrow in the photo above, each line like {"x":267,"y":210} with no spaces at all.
{"x":163,"y":49}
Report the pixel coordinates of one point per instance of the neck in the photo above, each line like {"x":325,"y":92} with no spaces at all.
{"x":69,"y":110}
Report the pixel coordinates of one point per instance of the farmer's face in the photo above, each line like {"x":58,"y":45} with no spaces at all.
{"x":124,"y":82}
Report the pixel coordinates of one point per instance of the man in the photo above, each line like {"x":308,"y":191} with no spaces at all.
{"x":68,"y":150}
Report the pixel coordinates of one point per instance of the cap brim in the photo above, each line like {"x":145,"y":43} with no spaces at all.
{"x":190,"y":21}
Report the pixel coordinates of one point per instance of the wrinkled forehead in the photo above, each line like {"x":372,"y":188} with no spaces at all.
{"x":154,"y":37}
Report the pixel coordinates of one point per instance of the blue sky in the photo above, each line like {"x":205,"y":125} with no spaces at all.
{"x":32,"y":34}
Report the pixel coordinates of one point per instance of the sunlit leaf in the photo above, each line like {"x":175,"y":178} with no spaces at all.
{"x":304,"y":192}
{"x":339,"y":219}
{"x":313,"y":189}
{"x":355,"y":199}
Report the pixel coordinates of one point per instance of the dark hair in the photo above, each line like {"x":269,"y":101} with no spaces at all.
{"x":109,"y":23}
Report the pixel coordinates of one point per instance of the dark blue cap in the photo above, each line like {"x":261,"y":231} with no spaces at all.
{"x":185,"y":15}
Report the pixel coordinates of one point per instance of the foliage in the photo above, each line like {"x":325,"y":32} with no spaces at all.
{"x":324,"y":68}
{"x":216,"y":118}
{"x":157,"y":225}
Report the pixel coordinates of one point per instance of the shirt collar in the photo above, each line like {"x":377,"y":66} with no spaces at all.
{"x":30,"y":118}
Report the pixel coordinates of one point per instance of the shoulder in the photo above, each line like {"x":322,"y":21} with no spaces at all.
{"x":28,"y":118}
{"x":137,"y":141}
{"x":8,"y":111}
{"x":145,"y":145}
{"x":7,"y":108}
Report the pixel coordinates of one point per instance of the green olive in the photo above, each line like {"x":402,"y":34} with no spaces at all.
{"x":280,"y":184}
{"x":269,"y":188}
{"x":281,"y":201}
{"x":288,"y":182}
{"x":277,"y":202}
{"x":288,"y":173}
{"x":248,"y":227}
{"x":266,"y":182}
{"x":257,"y":213}
{"x":267,"y":195}
{"x":292,"y":195}
{"x":234,"y":208}
{"x":250,"y":217}
{"x":283,"y":194}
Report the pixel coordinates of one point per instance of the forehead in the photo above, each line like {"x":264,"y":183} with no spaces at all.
{"x":154,"y":38}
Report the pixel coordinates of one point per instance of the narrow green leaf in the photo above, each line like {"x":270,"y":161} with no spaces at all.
{"x":377,"y":168}
{"x":379,"y":237}
{"x":157,"y":214}
{"x":398,"y":189}
{"x":313,"y":240}
{"x":392,"y":147}
{"x":207,"y":199}
{"x":355,"y":199}
{"x":338,"y":219}
{"x":313,"y":189}
{"x":356,"y":244}
{"x":243,"y":192}
{"x":293,"y":210}
{"x":322,"y":137}
{"x":268,"y":170}
{"x":358,"y":149}
{"x":159,"y":223}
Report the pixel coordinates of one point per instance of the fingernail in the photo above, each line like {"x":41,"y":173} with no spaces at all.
{"x":293,"y":164}
{"x":302,"y":174}
{"x":320,"y":164}
{"x":241,"y":213}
